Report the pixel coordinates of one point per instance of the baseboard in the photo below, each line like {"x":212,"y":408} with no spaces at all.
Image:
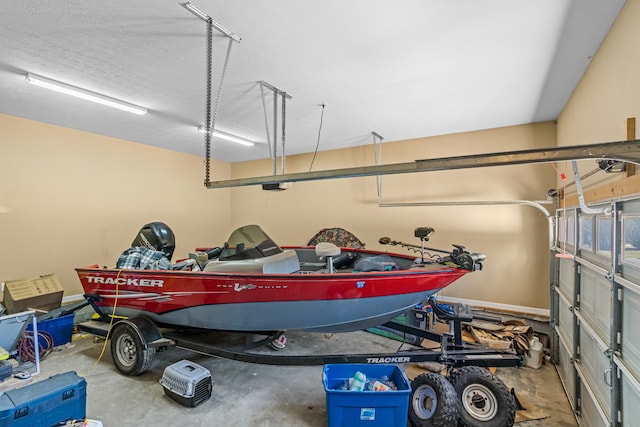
{"x":72,"y":298}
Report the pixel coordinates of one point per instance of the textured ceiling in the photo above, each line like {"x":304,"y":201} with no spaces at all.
{"x":404,"y":69}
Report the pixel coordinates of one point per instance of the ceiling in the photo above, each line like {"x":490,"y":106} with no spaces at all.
{"x":403,"y":69}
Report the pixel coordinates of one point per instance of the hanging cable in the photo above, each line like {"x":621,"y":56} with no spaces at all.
{"x":377,"y":139}
{"x":563,"y":179}
{"x":275,"y":130}
{"x":283,"y":111}
{"x":111,"y":321}
{"x":210,"y":117}
{"x":207,"y":117}
{"x":211,"y":122}
{"x":284,"y":127}
{"x":315,"y":152}
{"x":266,"y":121}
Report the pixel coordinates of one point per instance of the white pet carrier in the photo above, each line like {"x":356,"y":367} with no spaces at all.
{"x":187,"y":383}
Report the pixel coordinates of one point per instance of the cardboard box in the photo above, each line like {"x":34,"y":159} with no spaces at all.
{"x":40,"y":292}
{"x":490,"y":340}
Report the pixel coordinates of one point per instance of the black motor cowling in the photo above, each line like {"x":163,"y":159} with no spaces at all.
{"x":157,"y":236}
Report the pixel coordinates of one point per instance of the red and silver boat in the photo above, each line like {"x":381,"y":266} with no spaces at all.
{"x":254,"y":285}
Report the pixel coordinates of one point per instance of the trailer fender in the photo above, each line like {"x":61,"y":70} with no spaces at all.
{"x":145,"y":328}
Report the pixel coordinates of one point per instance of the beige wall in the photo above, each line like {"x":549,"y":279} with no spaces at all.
{"x":75,"y":199}
{"x":608,"y":93}
{"x":515,"y":238}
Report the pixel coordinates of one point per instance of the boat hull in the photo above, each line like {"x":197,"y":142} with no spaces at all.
{"x":330,"y":316}
{"x":337,"y":302}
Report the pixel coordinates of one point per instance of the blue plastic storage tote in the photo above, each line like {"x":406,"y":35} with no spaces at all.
{"x":346,"y":408}
{"x":60,"y":328}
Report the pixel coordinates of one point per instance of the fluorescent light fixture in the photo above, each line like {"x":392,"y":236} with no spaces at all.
{"x":228,"y":136}
{"x":84,"y":94}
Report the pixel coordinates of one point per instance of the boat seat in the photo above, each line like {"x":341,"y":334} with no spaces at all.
{"x":327,"y":250}
{"x":285,"y":262}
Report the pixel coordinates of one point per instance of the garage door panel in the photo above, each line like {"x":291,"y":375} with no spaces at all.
{"x":590,"y":413}
{"x":630,"y":335}
{"x":595,"y":301}
{"x":630,"y":402}
{"x":566,"y":277}
{"x":567,"y":373}
{"x":595,"y":367}
{"x":565,"y":320}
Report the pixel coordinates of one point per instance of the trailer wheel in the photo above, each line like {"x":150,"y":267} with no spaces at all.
{"x":433,"y":402}
{"x":485,"y":400}
{"x":129,"y":352}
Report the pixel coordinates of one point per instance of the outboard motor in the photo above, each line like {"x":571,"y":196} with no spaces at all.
{"x":157,"y":236}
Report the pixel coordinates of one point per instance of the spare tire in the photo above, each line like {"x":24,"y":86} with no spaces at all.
{"x":433,"y":402}
{"x":485,"y":401}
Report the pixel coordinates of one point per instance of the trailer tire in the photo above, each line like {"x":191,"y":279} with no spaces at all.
{"x":129,"y":351}
{"x":485,"y":401}
{"x":433,"y":402}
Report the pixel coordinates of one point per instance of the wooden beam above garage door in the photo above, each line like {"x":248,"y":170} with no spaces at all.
{"x":619,"y":189}
{"x":631,"y":135}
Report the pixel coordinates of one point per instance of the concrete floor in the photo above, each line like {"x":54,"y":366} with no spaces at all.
{"x":246,"y":394}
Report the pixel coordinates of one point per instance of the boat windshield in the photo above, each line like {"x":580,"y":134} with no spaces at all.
{"x":249,"y":242}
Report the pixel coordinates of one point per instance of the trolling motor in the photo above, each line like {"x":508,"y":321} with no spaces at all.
{"x":423,"y":233}
{"x":466,"y":260}
{"x":459,"y":256}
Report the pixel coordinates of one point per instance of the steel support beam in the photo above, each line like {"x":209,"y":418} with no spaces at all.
{"x":627,"y":151}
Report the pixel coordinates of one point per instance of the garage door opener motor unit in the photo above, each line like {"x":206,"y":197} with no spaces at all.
{"x":187,"y":383}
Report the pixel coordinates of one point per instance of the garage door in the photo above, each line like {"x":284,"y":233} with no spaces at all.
{"x":595,"y":305}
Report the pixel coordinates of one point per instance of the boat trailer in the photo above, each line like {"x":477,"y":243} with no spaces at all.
{"x":468,"y":391}
{"x":453,"y":352}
